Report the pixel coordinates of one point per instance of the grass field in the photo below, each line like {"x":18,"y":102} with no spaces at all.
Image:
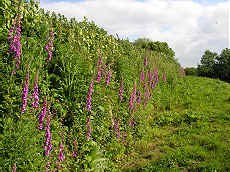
{"x":194,"y":134}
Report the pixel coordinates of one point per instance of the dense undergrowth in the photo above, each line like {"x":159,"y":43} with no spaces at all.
{"x":74,"y":98}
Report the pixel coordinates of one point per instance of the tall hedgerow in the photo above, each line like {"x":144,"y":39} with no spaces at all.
{"x":91,"y":95}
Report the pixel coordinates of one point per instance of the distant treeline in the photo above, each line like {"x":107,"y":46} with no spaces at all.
{"x":213,"y":65}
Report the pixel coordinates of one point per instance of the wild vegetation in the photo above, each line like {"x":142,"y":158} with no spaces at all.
{"x":73,"y":98}
{"x":191,"y":71}
{"x":213,"y":65}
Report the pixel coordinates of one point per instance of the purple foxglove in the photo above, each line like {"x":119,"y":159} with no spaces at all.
{"x":98,"y":76}
{"x":88,"y":122}
{"x":61,"y":155}
{"x":139,"y":97}
{"x":116,"y":126}
{"x":101,"y":61}
{"x":63,"y":137}
{"x":153,"y":84}
{"x":157,"y":79}
{"x":14,"y":168}
{"x":42,"y":115}
{"x":121,"y":90}
{"x":35,"y":94}
{"x":14,"y":35}
{"x":88,"y":134}
{"x":18,"y":44}
{"x":144,"y":86}
{"x":48,"y":144}
{"x":49,"y":47}
{"x":118,"y":133}
{"x":25,"y":93}
{"x":104,"y":72}
{"x":132,"y":122}
{"x":89,"y":129}
{"x":109,"y":75}
{"x":12,"y":29}
{"x":130,"y":104}
{"x":74,"y":154}
{"x":134,"y":93}
{"x":123,"y":137}
{"x":88,"y":104}
{"x":146,"y":60}
{"x":113,"y":122}
{"x":142,"y":75}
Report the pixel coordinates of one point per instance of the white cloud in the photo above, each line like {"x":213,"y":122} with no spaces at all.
{"x":189,"y":27}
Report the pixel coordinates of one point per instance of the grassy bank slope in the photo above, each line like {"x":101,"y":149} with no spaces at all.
{"x":193,"y":135}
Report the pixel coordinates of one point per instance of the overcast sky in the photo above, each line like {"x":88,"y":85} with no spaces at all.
{"x":188,"y":26}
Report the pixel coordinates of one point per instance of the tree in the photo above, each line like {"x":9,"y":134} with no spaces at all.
{"x":206,"y":68}
{"x":191,"y":71}
{"x":215,"y":66}
{"x":222,"y":66}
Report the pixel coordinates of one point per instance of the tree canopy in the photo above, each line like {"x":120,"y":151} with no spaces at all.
{"x":214,"y":65}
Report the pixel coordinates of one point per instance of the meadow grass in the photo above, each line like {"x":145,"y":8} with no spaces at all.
{"x":192,"y":136}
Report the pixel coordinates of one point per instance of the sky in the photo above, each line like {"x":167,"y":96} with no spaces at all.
{"x":188,"y":26}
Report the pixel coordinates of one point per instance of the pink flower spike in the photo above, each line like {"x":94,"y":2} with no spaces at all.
{"x":48,"y":144}
{"x":118,"y":133}
{"x":134,"y":93}
{"x":101,"y":61}
{"x":109,"y":75}
{"x":88,"y":122}
{"x":89,"y":129}
{"x":117,"y":124}
{"x":139,"y":97}
{"x":89,"y":134}
{"x":98,"y":76}
{"x":35,"y":96}
{"x":41,"y":116}
{"x":25,"y":93}
{"x":121,"y":90}
{"x":74,"y":154}
{"x":88,"y":103}
{"x":14,"y":168}
{"x":113,"y":122}
{"x":123,"y":137}
{"x":130,"y":104}
{"x":143,"y":75}
{"x":104,"y":72}
{"x":145,"y":63}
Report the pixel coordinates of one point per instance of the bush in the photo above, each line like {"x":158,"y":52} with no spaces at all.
{"x":191,"y":71}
